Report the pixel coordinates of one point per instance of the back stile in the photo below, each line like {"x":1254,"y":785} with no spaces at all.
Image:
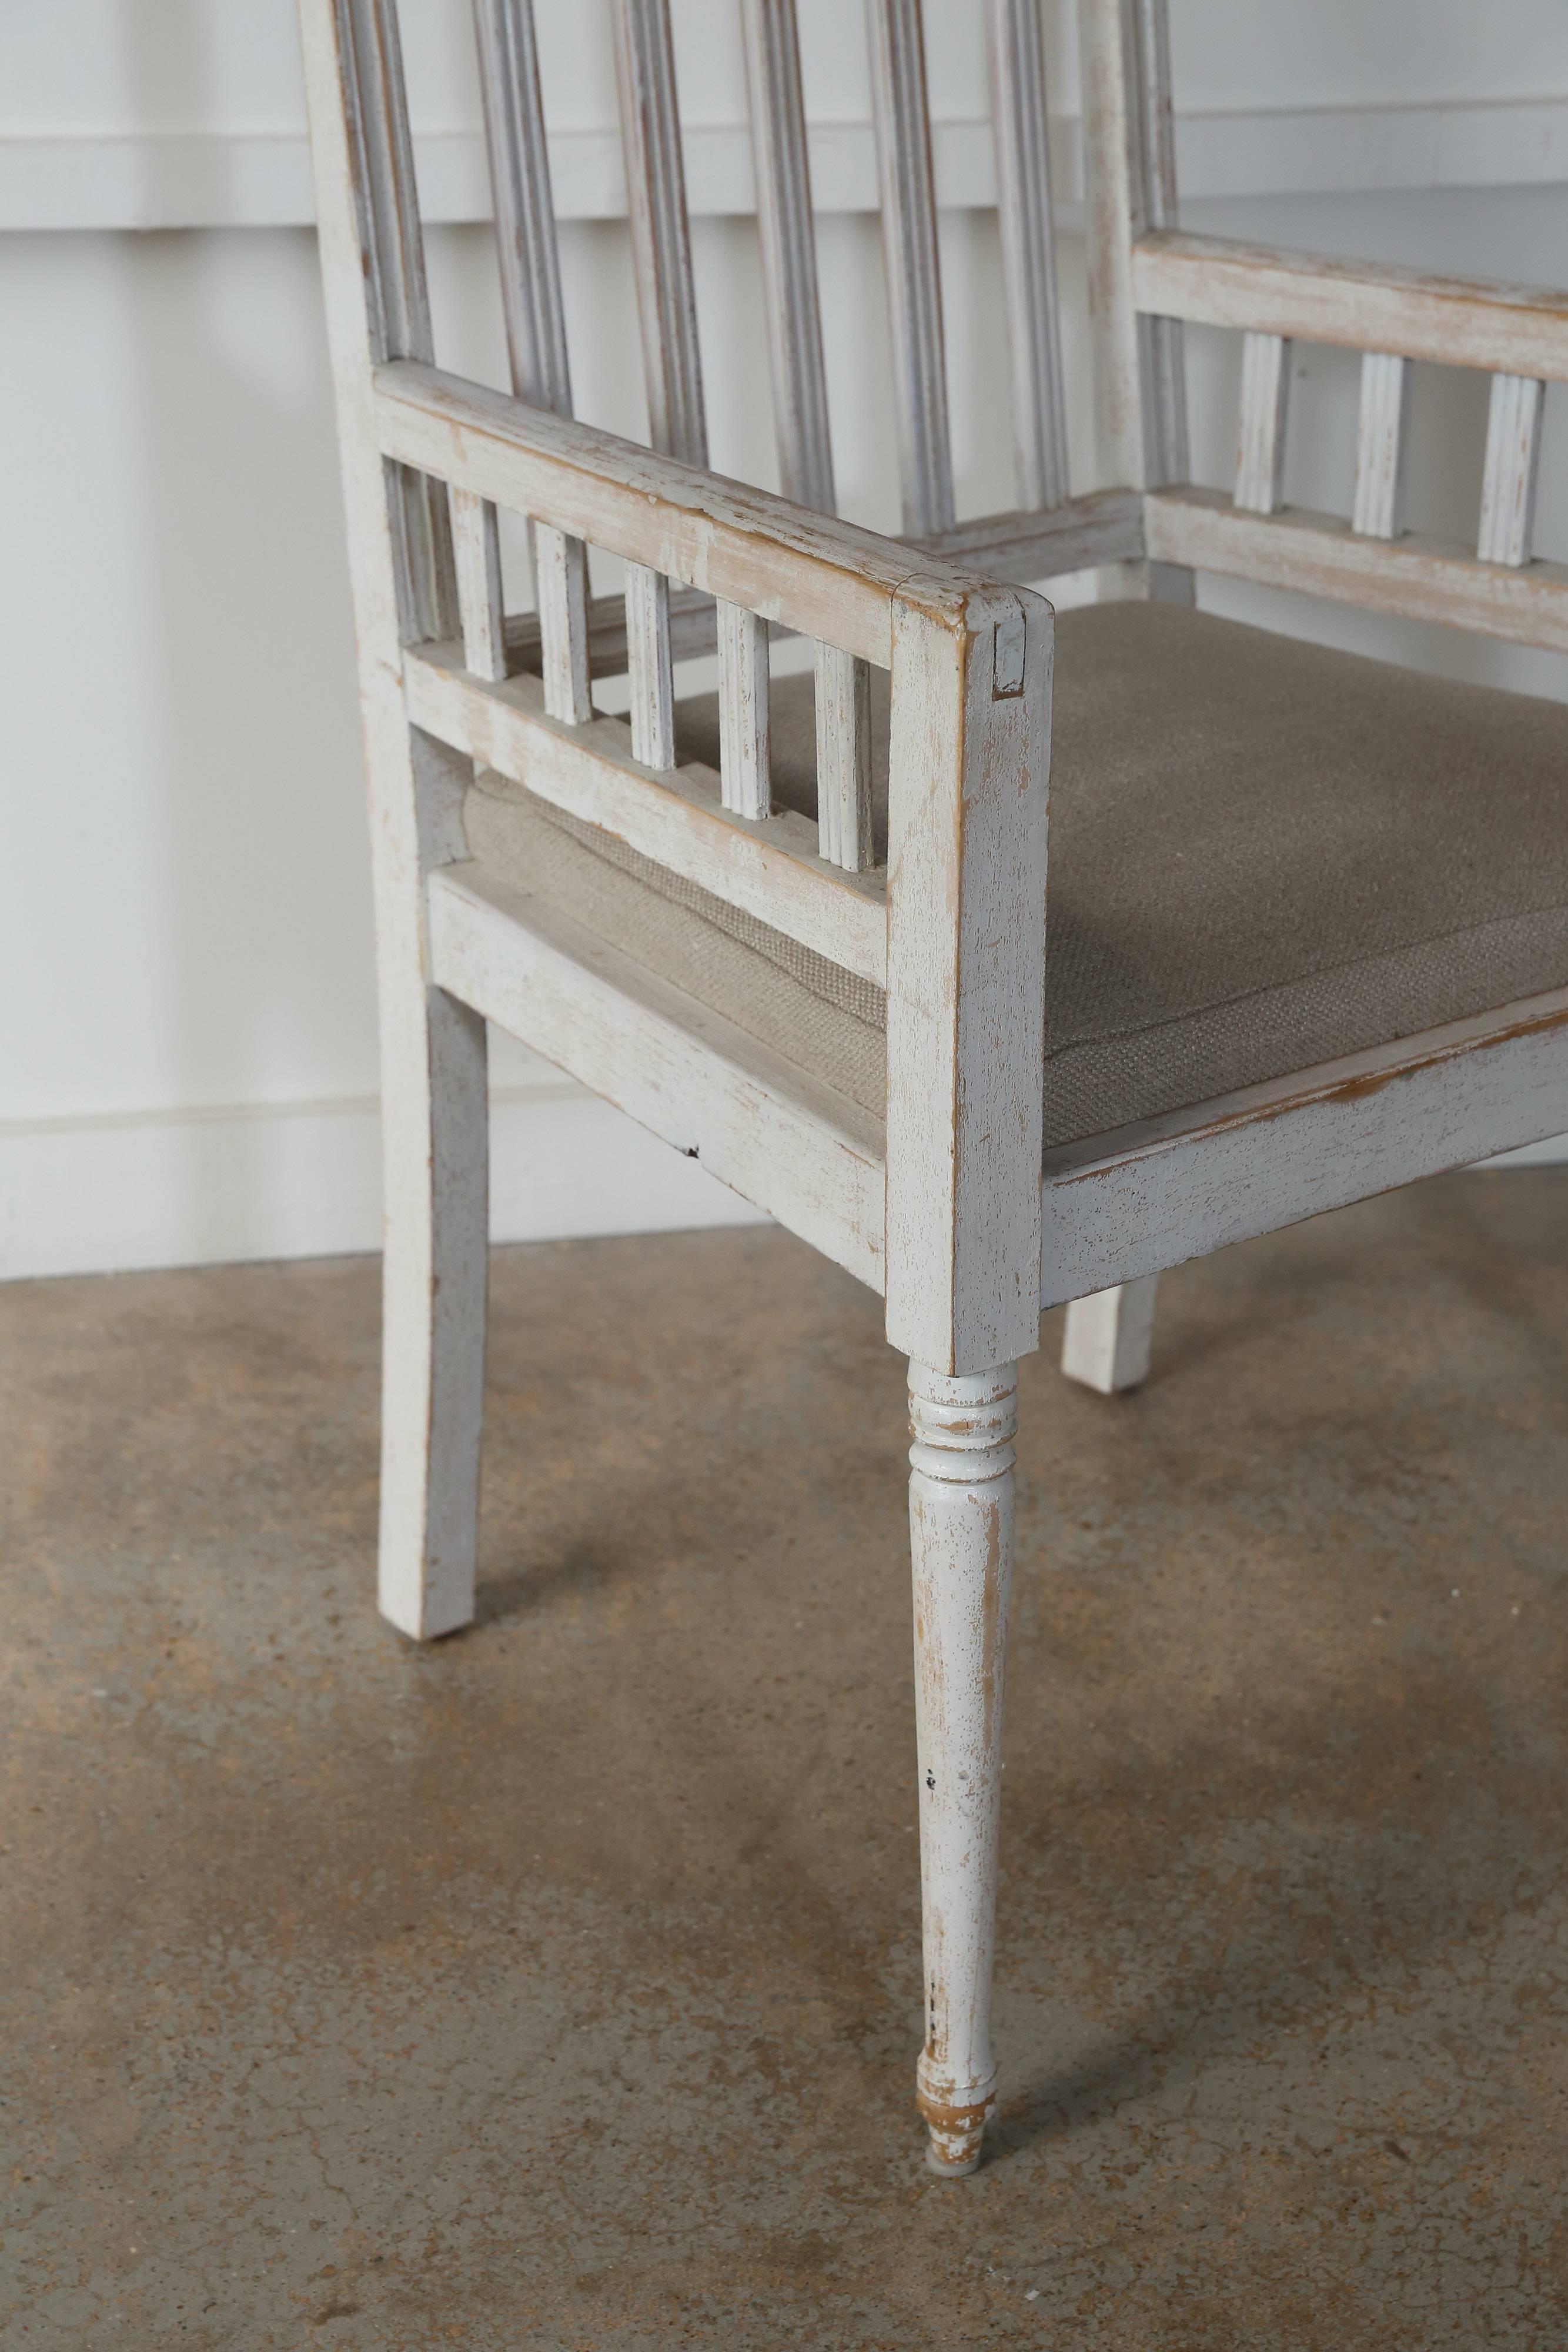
{"x":1164,"y":360}
{"x":913,"y":276}
{"x":1512,"y":466}
{"x":529,"y":252}
{"x":1029,"y":251}
{"x":397,"y":299}
{"x":433,"y":1111}
{"x":1139,"y":367}
{"x":800,"y":402}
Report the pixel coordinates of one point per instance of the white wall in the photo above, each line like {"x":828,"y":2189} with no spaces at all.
{"x":187,"y":1058}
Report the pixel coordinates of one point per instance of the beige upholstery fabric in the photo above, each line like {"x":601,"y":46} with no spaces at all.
{"x":1263,"y":854}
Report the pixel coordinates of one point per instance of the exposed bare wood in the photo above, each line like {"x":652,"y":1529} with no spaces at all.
{"x":1261,"y":446}
{"x":647,"y":609}
{"x":780,"y":1138}
{"x":433,"y":1103}
{"x":970,"y":755}
{"x":914,"y":270}
{"x":660,"y":237}
{"x":1460,"y":321}
{"x":1029,"y":251}
{"x":1124,"y":1205}
{"x":1432,"y":580}
{"x":1380,"y":443}
{"x":769,"y":868}
{"x":1512,"y":467}
{"x":826,"y":578}
{"x":1107,"y":1342}
{"x":476,"y":552}
{"x":788,"y":247}
{"x":961,"y":1538}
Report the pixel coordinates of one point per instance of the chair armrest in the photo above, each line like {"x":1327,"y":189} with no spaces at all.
{"x":1458,"y":322}
{"x":828,"y":579}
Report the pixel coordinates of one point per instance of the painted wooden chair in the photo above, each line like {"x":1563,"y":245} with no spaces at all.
{"x":1306,"y":931}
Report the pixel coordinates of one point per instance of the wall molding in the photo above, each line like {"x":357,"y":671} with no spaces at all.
{"x":238,"y":180}
{"x":110,"y":1194}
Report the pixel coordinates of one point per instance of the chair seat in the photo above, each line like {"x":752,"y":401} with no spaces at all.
{"x":1263,"y":854}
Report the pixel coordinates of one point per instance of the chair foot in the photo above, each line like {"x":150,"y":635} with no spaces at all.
{"x":1106,"y":1343}
{"x":961,"y":1535}
{"x":955,"y":2123}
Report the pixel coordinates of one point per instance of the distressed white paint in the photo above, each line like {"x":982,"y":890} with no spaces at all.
{"x":1380,"y":445}
{"x":1261,"y":443}
{"x":961,"y":1538}
{"x":648,"y":669}
{"x":843,"y":760}
{"x":476,"y":553}
{"x":433,"y":1048}
{"x":1106,"y":1341}
{"x":1512,"y":470}
{"x":743,"y":741}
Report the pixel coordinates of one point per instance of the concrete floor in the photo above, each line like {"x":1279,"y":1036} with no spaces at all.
{"x":557,"y":1986}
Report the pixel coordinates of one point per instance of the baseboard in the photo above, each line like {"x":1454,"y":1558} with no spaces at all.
{"x":303,"y":1179}
{"x":108,"y":1195}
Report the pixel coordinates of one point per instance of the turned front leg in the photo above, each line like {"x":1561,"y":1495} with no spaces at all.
{"x":961,"y":1533}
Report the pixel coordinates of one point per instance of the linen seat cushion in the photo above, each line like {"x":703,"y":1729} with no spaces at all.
{"x":1263,"y":854}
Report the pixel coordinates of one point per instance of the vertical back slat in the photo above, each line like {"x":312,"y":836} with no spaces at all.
{"x":913,"y":276}
{"x":743,"y":717}
{"x":1029,"y":251}
{"x":476,"y":550}
{"x":800,"y":401}
{"x":1380,"y":445}
{"x":789,"y":253}
{"x":667,"y":316}
{"x":530,"y":255}
{"x":1512,"y":466}
{"x":661,"y":237}
{"x":1260,"y":445}
{"x":523,"y":206}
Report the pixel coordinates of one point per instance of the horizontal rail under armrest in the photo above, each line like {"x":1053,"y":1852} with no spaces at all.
{"x":828,"y":579}
{"x":1458,"y":322}
{"x":1180,"y":1186}
{"x":769,"y":868}
{"x":768,"y":1131}
{"x":1429,"y":579}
